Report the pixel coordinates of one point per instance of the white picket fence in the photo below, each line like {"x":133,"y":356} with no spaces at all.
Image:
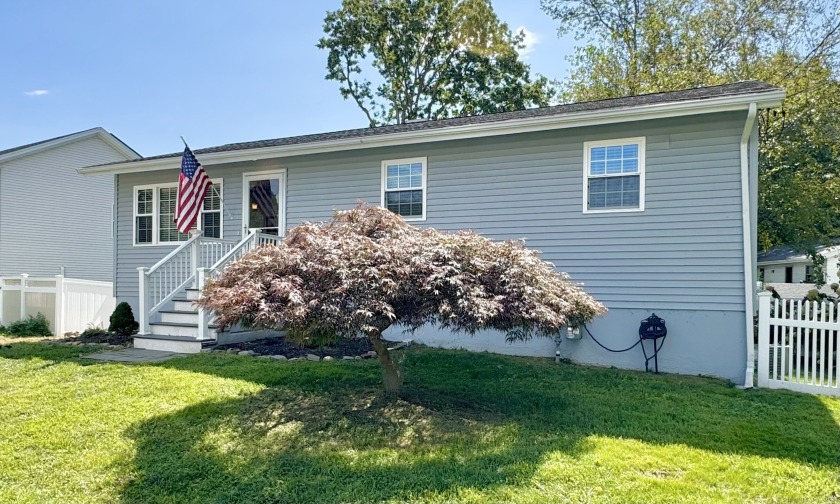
{"x":70,"y":304}
{"x":797,"y":345}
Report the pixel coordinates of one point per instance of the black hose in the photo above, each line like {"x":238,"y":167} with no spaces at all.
{"x":610,"y":349}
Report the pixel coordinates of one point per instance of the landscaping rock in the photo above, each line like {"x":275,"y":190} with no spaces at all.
{"x":312,"y":357}
{"x":358,"y":357}
{"x":328,"y":358}
{"x":368,"y":355}
{"x":263,"y":356}
{"x":294,"y":359}
{"x":232,"y":350}
{"x":247,"y":353}
{"x":347,"y":357}
{"x":279,"y":357}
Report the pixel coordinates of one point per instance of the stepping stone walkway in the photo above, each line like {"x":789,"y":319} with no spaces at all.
{"x":133,"y":355}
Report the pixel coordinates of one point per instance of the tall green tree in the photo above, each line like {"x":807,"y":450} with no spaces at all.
{"x":642,"y":46}
{"x":400,"y":60}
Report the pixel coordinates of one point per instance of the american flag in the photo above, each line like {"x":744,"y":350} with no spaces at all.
{"x":192,"y":186}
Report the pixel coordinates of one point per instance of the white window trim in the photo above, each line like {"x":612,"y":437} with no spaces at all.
{"x":258,"y":175}
{"x":221,"y":210}
{"x":156,"y":213}
{"x":384,"y":183}
{"x":614,"y":141}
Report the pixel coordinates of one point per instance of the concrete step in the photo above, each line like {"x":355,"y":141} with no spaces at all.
{"x":179,"y":329}
{"x":184,"y":305}
{"x":179,"y":344}
{"x":192,"y":294}
{"x":179,"y":317}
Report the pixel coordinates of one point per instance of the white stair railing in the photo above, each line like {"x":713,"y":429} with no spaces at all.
{"x":177,"y":271}
{"x":253,"y":240}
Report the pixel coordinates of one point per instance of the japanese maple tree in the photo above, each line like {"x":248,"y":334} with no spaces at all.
{"x":367,"y":270}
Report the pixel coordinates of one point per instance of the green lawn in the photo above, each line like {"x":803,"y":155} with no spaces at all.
{"x":477,"y":428}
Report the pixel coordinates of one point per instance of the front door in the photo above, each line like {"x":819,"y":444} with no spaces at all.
{"x":263,"y":204}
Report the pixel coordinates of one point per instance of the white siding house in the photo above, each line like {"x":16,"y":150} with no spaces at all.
{"x":56,"y":231}
{"x":53,"y":220}
{"x":788,"y":265}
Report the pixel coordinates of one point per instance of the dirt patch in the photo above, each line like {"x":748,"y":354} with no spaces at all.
{"x":106,"y":338}
{"x":279,"y":346}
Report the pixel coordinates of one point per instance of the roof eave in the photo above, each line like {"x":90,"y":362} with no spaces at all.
{"x":767,"y":99}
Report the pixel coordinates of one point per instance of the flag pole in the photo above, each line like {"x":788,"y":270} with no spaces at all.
{"x":212,"y":187}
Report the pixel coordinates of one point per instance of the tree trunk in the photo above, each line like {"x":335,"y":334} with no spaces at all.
{"x":390,"y":371}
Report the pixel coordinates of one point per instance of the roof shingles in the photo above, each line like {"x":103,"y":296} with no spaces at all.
{"x":740,"y":88}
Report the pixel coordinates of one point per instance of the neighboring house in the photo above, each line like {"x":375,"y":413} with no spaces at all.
{"x":649,"y":201}
{"x":56,"y":233}
{"x":797,"y":290}
{"x":787,"y":265}
{"x":52,"y":220}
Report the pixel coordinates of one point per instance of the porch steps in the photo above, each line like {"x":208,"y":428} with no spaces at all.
{"x":177,"y":330}
{"x":167,"y":343}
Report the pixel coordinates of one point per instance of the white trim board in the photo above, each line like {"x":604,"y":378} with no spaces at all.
{"x":476,"y":130}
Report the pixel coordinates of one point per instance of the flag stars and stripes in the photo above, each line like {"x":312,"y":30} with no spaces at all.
{"x":193,"y":183}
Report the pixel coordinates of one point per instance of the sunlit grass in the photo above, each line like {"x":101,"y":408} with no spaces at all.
{"x":471,"y":428}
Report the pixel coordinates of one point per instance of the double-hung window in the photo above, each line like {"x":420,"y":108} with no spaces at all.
{"x":154,"y":214}
{"x":614,"y":175}
{"x":404,"y":187}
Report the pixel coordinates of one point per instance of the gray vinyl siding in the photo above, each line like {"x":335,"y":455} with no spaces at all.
{"x":52,"y":217}
{"x":685,"y":251}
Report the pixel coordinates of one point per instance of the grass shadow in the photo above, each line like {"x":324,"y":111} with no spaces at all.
{"x":467,"y":423}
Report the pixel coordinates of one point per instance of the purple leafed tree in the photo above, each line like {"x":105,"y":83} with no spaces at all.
{"x":367,"y":270}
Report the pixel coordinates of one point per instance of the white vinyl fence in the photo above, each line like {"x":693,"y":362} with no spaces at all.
{"x":69,"y":304}
{"x":797,"y":344}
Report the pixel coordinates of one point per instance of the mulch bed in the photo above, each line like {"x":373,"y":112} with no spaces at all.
{"x":103,"y":338}
{"x":279,"y":346}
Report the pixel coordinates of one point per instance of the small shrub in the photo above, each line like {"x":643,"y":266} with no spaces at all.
{"x":93,"y":332}
{"x":32,"y":326}
{"x":122,"y":320}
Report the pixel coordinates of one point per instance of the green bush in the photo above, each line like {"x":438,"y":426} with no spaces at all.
{"x":32,"y":326}
{"x":122,"y":320}
{"x":93,"y":332}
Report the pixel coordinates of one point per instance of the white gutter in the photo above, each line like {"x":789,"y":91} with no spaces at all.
{"x":475,"y":130}
{"x":749,"y":286}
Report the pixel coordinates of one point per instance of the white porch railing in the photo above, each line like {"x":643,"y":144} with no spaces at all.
{"x":253,"y":240}
{"x":797,"y":345}
{"x":160,"y":283}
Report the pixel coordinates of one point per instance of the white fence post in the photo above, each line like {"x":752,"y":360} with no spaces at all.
{"x":764,"y":299}
{"x":23,"y":279}
{"x":59,"y":305}
{"x":143,"y":297}
{"x":201,"y":275}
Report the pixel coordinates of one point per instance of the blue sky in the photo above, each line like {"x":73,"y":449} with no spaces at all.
{"x":215,"y":72}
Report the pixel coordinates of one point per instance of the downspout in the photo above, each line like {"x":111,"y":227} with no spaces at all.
{"x":749,"y":285}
